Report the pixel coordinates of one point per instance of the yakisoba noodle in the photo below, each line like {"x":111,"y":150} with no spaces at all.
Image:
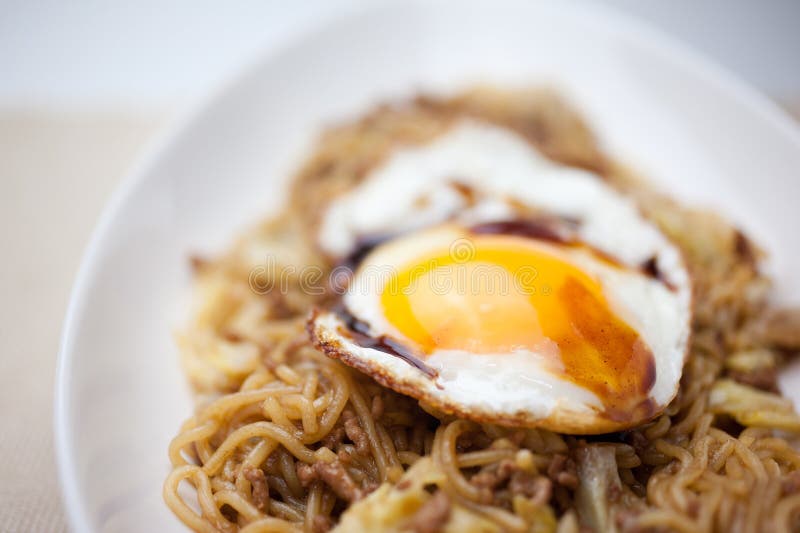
{"x":285,"y":439}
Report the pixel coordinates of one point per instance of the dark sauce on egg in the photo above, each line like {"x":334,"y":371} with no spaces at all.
{"x":359,"y":332}
{"x":546,"y":229}
{"x":650,"y":268}
{"x":359,"y":329}
{"x":560,"y":230}
{"x":363,"y":247}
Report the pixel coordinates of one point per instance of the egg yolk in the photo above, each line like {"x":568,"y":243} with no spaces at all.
{"x":507,"y":293}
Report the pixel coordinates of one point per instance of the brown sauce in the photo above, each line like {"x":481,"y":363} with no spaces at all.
{"x":745,"y":249}
{"x":559,"y":230}
{"x":643,"y":411}
{"x":621,"y":368}
{"x":650,"y":268}
{"x":363,"y":247}
{"x":545,"y":229}
{"x":359,"y":332}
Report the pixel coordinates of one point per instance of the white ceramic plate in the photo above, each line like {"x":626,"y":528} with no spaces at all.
{"x":683,"y":122}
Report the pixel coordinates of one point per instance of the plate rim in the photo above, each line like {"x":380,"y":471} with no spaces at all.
{"x":637,"y":30}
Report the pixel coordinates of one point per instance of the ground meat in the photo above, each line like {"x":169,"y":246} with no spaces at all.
{"x":433,"y":515}
{"x":334,"y":438}
{"x":494,"y":475}
{"x":517,"y":437}
{"x":791,"y":483}
{"x":464,"y":443}
{"x":614,"y":493}
{"x":321,"y":524}
{"x":258,"y":480}
{"x":539,"y":489}
{"x":473,"y":439}
{"x":693,"y":509}
{"x":745,"y":249}
{"x":761,"y":378}
{"x":231,"y":336}
{"x":354,"y":432}
{"x":626,"y":519}
{"x":334,"y":475}
{"x":337,"y":478}
{"x":345,"y":457}
{"x":490,"y":477}
{"x":305,"y":473}
{"x":781,"y":328}
{"x":568,"y":479}
{"x":562,"y":470}
{"x":519,"y":482}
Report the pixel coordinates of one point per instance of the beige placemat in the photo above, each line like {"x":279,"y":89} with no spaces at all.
{"x":56,"y":172}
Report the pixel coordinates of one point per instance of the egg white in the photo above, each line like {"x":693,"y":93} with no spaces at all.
{"x":412,"y":189}
{"x":503,"y":168}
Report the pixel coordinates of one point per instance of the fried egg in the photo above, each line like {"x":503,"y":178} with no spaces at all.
{"x":506,"y":288}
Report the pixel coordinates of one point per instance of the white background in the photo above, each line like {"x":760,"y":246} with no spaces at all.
{"x":156,"y":54}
